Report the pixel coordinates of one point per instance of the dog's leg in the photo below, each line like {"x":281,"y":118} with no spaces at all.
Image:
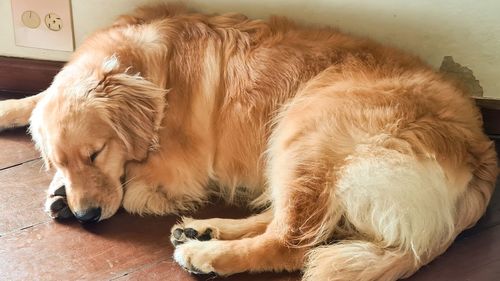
{"x":221,"y":229}
{"x":305,"y":213}
{"x":151,"y":189}
{"x":301,"y":176}
{"x":224,"y":257}
{"x":17,"y":112}
{"x":143,"y":198}
{"x":282,"y":247}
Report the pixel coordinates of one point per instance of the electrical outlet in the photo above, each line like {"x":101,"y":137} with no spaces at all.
{"x":44,"y":24}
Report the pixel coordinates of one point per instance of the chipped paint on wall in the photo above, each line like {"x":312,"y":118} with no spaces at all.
{"x":462,"y":74}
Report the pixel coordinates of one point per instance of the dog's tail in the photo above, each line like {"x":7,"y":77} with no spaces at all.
{"x":358,"y":260}
{"x":17,"y":112}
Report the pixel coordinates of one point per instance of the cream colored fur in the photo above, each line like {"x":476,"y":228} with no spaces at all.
{"x":397,"y":200}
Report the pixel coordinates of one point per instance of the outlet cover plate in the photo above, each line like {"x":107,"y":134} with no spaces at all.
{"x":55,"y":30}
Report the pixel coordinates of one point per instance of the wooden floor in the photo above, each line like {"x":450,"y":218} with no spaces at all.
{"x":125,"y":247}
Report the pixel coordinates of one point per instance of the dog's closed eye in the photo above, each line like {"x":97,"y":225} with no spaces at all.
{"x":94,"y":155}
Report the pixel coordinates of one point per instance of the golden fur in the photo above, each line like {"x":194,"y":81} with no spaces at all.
{"x":370,"y":163}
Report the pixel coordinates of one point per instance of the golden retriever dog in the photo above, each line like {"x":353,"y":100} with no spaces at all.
{"x":364,"y":162}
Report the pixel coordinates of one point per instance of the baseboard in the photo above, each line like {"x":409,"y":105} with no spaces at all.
{"x":26,"y":76}
{"x":22,"y":77}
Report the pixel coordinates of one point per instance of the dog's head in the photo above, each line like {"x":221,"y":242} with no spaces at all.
{"x":88,"y":126}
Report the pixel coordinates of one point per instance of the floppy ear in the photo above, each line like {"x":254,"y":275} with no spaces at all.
{"x":133,"y":107}
{"x":39,"y":144}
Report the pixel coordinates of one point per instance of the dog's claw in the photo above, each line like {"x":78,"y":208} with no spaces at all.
{"x":177,"y":233}
{"x":61,"y":191}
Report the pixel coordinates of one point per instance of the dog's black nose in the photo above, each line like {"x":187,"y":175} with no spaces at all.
{"x":89,"y":215}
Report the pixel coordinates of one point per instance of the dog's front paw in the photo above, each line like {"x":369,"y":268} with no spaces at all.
{"x":190,"y":229}
{"x":56,"y":204}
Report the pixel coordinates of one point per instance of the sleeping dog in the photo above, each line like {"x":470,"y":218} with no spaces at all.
{"x":335,"y":138}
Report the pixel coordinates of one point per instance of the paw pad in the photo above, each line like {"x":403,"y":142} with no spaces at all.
{"x":57,"y":205}
{"x":191,"y":233}
{"x":180,"y":235}
{"x":207,"y":235}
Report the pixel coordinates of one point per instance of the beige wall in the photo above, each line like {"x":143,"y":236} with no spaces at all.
{"x":465,"y":29}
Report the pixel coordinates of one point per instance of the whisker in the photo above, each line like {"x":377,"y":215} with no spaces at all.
{"x":128,"y":180}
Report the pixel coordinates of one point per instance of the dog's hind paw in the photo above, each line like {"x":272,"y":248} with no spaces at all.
{"x":13,"y":114}
{"x":190,"y":229}
{"x":193,"y":262}
{"x":215,"y":257}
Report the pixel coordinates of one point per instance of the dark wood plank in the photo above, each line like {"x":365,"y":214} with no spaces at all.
{"x":125,"y":246}
{"x":26,"y":75}
{"x":475,"y":258}
{"x":169,"y":270}
{"x":163,"y":270}
{"x":491,"y":119}
{"x":17,"y":148}
{"x":69,"y":251}
{"x":166,"y":270}
{"x":490,"y":219}
{"x":22,"y":194}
